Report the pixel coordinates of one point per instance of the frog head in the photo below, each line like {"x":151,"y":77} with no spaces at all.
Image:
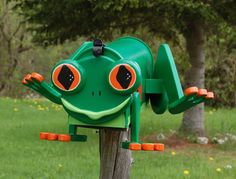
{"x":96,"y":89}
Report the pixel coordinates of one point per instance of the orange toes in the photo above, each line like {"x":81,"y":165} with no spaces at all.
{"x":52,"y":136}
{"x":43,"y":135}
{"x":210,"y":95}
{"x":191,"y":90}
{"x":135,"y":146}
{"x":24,"y":81}
{"x":37,"y":76}
{"x":64,"y":137}
{"x":147,"y":146}
{"x":159,"y":147}
{"x":202,"y":92}
{"x":28,"y":77}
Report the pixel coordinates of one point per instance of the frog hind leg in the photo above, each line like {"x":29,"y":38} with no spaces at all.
{"x":72,"y":136}
{"x":165,"y":71}
{"x":178,"y":101}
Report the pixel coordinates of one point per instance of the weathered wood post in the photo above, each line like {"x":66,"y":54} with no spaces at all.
{"x":115,"y":162}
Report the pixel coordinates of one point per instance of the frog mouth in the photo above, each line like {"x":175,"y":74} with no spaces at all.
{"x":93,"y":114}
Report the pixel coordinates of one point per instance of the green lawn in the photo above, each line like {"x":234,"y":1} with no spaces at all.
{"x":23,"y":155}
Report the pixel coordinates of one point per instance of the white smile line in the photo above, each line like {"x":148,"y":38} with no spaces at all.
{"x":92,"y":114}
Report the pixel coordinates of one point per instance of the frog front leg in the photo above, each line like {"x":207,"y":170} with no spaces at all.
{"x":135,"y":143}
{"x":36,"y":82}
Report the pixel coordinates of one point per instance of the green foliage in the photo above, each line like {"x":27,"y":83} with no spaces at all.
{"x":55,"y":22}
{"x":221,"y":67}
{"x":226,"y":9}
{"x":22,"y":120}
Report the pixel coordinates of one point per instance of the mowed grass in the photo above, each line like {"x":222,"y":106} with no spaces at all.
{"x":23,"y":155}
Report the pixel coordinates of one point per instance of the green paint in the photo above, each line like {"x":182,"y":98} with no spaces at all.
{"x":92,"y":114}
{"x":107,"y":93}
{"x":118,"y":122}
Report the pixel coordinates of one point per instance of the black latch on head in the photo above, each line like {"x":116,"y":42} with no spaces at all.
{"x":98,"y":47}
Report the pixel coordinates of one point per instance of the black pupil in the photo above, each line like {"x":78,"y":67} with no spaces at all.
{"x":124,"y":77}
{"x":66,"y":77}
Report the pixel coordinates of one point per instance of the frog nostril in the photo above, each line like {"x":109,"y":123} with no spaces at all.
{"x":98,"y":93}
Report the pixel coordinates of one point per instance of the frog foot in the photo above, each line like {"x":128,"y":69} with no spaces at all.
{"x":153,"y":146}
{"x":143,"y":146}
{"x":54,"y":137}
{"x":199,"y":93}
{"x":62,"y":137}
{"x":192,"y":97}
{"x":30,"y":78}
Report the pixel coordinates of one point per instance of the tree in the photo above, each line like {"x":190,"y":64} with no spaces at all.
{"x":12,"y":43}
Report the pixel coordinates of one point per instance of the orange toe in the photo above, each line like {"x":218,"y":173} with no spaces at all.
{"x":64,"y":137}
{"x":24,"y":81}
{"x":191,"y":90}
{"x":159,"y":147}
{"x":147,"y":146}
{"x":37,"y":76}
{"x":210,"y":95}
{"x":43,"y":135}
{"x":52,"y":136}
{"x":135,"y":146}
{"x":202,"y":92}
{"x":28,"y":77}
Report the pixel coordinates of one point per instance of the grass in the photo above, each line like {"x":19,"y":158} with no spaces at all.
{"x":23,"y":155}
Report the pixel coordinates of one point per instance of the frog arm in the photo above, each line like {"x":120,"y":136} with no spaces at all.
{"x":36,"y":82}
{"x":135,"y":117}
{"x":175,"y":99}
{"x":134,"y":144}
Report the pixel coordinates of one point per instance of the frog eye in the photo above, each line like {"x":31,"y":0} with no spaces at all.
{"x":122,"y":77}
{"x":66,"y":77}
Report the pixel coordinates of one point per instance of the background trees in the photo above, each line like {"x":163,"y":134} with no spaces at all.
{"x":56,"y":22}
{"x":13,"y":42}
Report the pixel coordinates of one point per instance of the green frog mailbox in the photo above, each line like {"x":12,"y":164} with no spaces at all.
{"x":104,"y":86}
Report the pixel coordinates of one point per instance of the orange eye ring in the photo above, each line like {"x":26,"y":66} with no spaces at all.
{"x":66,"y":77}
{"x":122,"y":77}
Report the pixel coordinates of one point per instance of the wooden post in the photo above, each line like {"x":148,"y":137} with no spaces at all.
{"x":115,"y":162}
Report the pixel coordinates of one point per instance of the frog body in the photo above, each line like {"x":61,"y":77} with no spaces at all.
{"x":105,"y":85}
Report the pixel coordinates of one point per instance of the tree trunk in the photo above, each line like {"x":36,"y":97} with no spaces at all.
{"x":193,"y":120}
{"x":115,"y":162}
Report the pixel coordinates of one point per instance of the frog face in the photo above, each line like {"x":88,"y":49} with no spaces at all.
{"x":96,"y":89}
